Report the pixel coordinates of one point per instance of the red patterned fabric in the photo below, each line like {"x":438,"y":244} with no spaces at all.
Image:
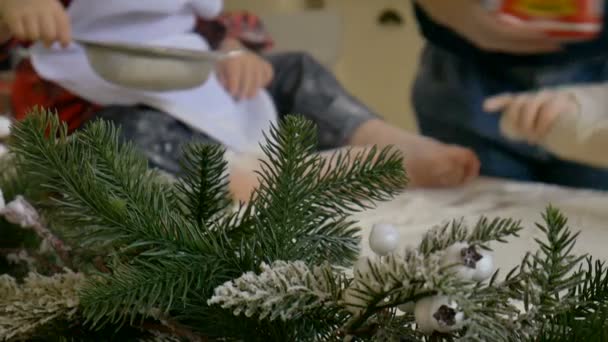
{"x":29,"y":90}
{"x":244,"y":26}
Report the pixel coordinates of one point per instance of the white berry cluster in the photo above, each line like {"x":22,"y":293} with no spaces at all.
{"x":436,"y":313}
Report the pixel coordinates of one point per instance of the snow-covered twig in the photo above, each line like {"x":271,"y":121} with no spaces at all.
{"x":20,"y":212}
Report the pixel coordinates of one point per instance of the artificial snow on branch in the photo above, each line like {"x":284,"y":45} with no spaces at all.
{"x":38,"y":301}
{"x":172,"y":244}
{"x":22,"y":213}
{"x":176,"y":260}
{"x":284,"y":290}
{"x":484,"y":232}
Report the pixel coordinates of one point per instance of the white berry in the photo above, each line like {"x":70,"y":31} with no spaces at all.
{"x":383,"y":239}
{"x":484,"y":267}
{"x":5,"y":127}
{"x":437,"y":313}
{"x":468,"y":262}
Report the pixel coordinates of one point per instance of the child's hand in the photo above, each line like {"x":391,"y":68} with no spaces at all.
{"x":530,"y":116}
{"x":244,"y":73}
{"x":34,"y":20}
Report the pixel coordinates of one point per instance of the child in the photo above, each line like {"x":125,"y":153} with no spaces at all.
{"x":572,"y":123}
{"x":233,"y":107}
{"x":472,"y":54}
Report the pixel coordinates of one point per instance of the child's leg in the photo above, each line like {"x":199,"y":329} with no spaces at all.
{"x":303,"y":86}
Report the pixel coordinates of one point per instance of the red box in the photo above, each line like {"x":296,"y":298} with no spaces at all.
{"x":561,"y":18}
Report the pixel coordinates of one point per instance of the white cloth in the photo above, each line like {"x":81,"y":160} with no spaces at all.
{"x":207,"y":108}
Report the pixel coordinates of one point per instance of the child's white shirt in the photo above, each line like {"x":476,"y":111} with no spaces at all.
{"x":169,"y":23}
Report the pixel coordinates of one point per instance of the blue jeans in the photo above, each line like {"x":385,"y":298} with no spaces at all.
{"x":448,"y":95}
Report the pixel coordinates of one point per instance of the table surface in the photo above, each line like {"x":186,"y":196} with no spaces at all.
{"x":415,"y":211}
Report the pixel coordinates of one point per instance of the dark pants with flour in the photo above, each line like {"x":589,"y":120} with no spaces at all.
{"x":301,"y":85}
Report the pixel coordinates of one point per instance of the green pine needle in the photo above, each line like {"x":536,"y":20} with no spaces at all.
{"x":172,"y":244}
{"x":484,"y":232}
{"x":302,"y":209}
{"x":204,"y":186}
{"x":587,"y":318}
{"x":553,"y":268}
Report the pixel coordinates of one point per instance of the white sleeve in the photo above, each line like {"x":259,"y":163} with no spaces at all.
{"x":582,"y":136}
{"x":592,"y":99}
{"x":207,"y":9}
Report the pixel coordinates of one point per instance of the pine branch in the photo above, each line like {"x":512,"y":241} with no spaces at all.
{"x":393,"y":327}
{"x":22,"y":213}
{"x":142,"y":288}
{"x":592,"y":327}
{"x":38,"y":302}
{"x":587,"y":319}
{"x":204,"y":187}
{"x":162,"y":333}
{"x":352,"y":183}
{"x":282,"y":290}
{"x":551,"y":271}
{"x":220,"y":324}
{"x":39,"y":263}
{"x":485,"y":231}
{"x":144,"y":198}
{"x":382,"y":284}
{"x":294,"y":180}
{"x":13,"y":182}
{"x":103,"y":189}
{"x":592,"y":292}
{"x":161,"y":336}
{"x":490,"y":314}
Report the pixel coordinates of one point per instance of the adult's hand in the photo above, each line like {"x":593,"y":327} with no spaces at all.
{"x":486,"y":30}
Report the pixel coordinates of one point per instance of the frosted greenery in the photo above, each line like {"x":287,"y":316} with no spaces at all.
{"x":117,"y":252}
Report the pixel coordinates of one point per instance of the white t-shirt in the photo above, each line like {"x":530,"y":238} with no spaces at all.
{"x":169,"y":23}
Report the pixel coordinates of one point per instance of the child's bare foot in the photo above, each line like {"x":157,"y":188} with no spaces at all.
{"x":430,"y":163}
